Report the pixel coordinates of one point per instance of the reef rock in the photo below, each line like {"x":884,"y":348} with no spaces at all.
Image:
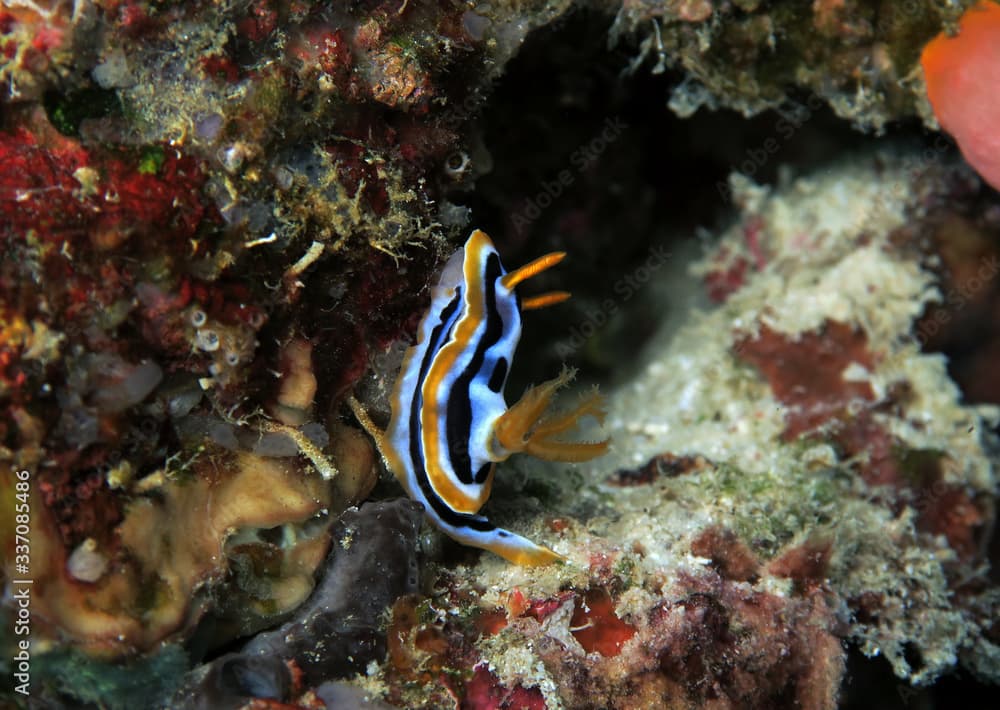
{"x":338,"y":630}
{"x":791,"y":473}
{"x":373,"y":562}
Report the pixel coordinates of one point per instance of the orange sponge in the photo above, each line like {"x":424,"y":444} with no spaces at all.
{"x":963,"y":85}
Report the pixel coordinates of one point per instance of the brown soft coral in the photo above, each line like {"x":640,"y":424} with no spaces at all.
{"x":174,"y":544}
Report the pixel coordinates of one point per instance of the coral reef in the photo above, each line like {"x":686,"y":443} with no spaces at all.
{"x":217,"y":220}
{"x":859,"y":58}
{"x":337,"y":631}
{"x":196,"y":199}
{"x":816,"y":480}
{"x":375,"y":562}
{"x":166,"y":549}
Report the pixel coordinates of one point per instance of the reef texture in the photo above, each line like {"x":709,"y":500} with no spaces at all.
{"x":860,"y":58}
{"x":814,"y":480}
{"x":215,"y":218}
{"x":197,"y":199}
{"x":790,"y":472}
{"x":338,"y":631}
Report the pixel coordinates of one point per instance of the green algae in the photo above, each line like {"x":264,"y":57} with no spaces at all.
{"x":68,"y":110}
{"x":151,"y":160}
{"x":771,"y":509}
{"x":147,"y":681}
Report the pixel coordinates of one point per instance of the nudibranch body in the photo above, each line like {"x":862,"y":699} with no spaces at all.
{"x":450,"y":422}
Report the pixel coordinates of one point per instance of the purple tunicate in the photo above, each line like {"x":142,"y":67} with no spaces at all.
{"x":234,"y":681}
{"x":77,"y":424}
{"x":272,"y":445}
{"x":114,"y":71}
{"x":149,"y":294}
{"x":127,"y":386}
{"x":474,"y":24}
{"x":223,"y":434}
{"x":208,"y":126}
{"x":182,"y":401}
{"x":283,"y":177}
{"x":258,"y":217}
{"x":337,"y":694}
{"x":316,"y":433}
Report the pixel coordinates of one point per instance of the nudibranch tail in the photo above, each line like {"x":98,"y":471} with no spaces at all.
{"x":525,"y":426}
{"x":511,"y":546}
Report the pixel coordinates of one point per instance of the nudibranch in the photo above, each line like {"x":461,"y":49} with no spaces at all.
{"x":450,"y":422}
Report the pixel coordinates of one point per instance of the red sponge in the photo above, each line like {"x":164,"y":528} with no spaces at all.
{"x":963,"y":85}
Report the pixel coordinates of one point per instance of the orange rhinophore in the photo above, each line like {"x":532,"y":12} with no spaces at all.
{"x":963,"y":84}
